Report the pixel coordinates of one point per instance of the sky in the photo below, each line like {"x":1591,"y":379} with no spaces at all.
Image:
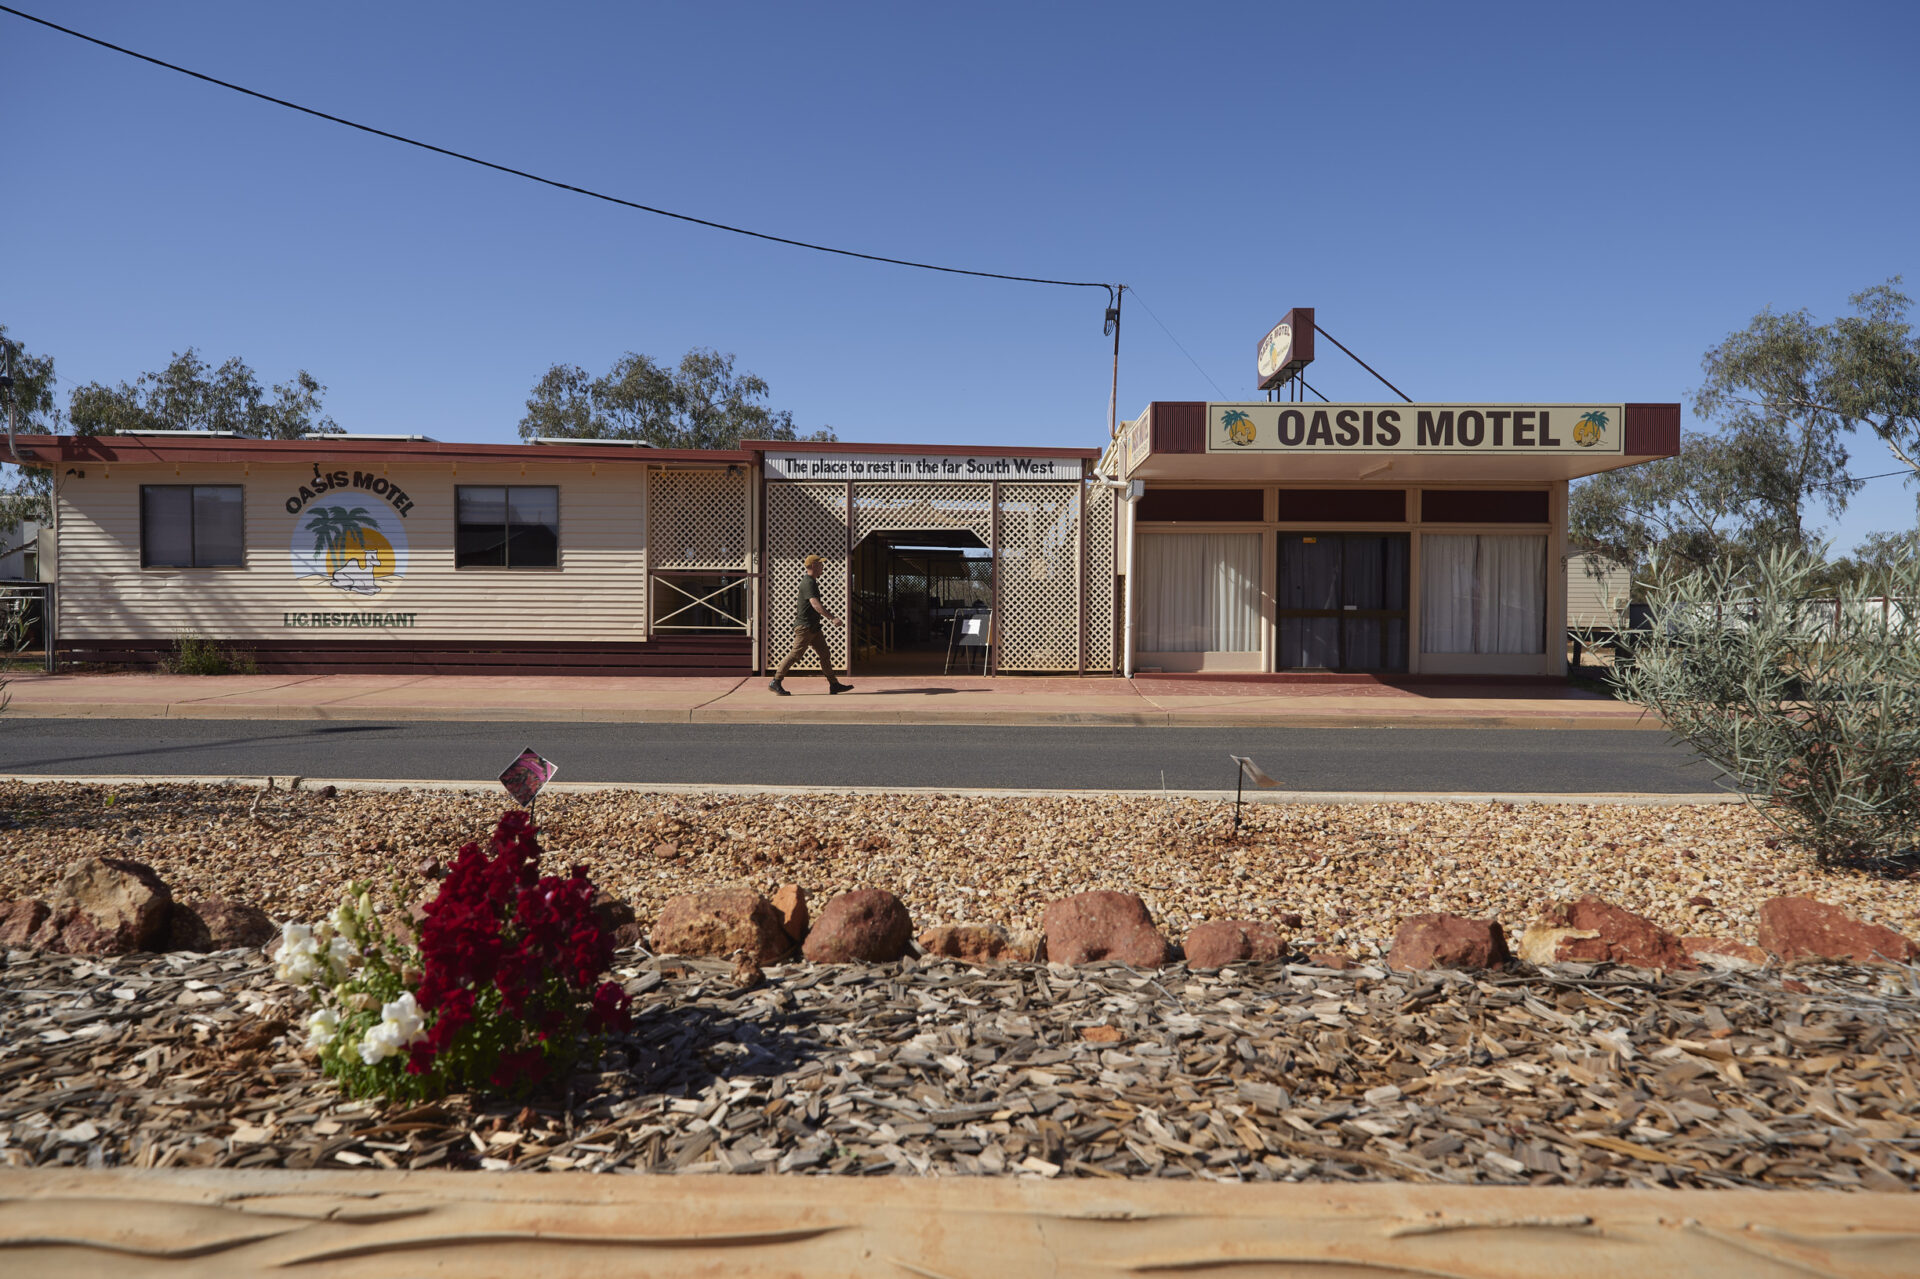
{"x":1499,"y":202}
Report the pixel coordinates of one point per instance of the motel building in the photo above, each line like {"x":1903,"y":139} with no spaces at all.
{"x":1268,"y":537}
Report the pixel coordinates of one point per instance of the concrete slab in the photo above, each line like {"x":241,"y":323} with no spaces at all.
{"x":963,"y":699}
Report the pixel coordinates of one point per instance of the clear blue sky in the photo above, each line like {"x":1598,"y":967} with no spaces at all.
{"x":1501,"y":201}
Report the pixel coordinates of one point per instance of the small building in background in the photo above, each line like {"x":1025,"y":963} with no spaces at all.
{"x":20,"y":553}
{"x":1597,"y":594}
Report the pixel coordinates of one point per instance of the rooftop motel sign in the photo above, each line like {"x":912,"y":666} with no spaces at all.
{"x":1415,"y":428}
{"x":917,"y":466}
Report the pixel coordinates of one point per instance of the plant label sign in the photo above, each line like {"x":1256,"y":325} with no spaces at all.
{"x":526,"y":775}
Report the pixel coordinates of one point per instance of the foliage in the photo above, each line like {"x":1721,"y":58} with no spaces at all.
{"x":193,"y":395}
{"x":501,"y":995}
{"x":14,"y":629}
{"x":197,"y":655}
{"x":511,"y":960}
{"x":1810,"y":383}
{"x":1787,"y":395}
{"x":23,"y":496}
{"x":702,"y":404}
{"x":1878,"y":555}
{"x":1688,"y":511}
{"x":1812,"y":709}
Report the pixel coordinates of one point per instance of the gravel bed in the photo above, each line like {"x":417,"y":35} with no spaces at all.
{"x":1581,"y":1076}
{"x":1351,"y":872}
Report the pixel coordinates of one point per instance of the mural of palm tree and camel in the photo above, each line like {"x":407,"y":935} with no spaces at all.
{"x":349,"y":549}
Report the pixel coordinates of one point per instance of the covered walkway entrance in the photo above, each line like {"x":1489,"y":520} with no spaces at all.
{"x":905,"y":554}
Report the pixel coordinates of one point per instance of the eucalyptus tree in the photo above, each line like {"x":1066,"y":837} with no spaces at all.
{"x":700,"y":404}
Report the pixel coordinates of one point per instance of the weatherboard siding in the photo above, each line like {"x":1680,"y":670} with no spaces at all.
{"x":597,"y":594}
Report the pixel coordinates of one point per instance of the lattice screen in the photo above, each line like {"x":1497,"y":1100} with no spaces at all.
{"x":1039,"y":577}
{"x":802,"y":520}
{"x":1101,"y":542}
{"x":899,"y":507}
{"x":696,"y":519}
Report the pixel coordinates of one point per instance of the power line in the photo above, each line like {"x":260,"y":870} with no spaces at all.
{"x":1858,"y":479}
{"x":534,"y":177}
{"x":1176,"y":341}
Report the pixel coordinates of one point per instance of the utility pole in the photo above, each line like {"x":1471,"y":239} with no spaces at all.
{"x":1113,"y":326}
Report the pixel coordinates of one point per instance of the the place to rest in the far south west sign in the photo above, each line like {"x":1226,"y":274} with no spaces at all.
{"x":1415,"y":428}
{"x":917,"y":466}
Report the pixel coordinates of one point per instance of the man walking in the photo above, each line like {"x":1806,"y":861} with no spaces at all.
{"x":808,"y":633}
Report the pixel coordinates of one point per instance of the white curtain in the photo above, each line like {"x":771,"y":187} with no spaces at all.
{"x":1199,"y":593}
{"x":1483,"y":593}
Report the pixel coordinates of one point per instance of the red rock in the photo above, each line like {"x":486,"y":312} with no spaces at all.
{"x":1592,"y":931}
{"x":1718,"y":952}
{"x":1327,"y":959}
{"x":214,"y":923}
{"x":19,"y":919}
{"x":1441,"y":940}
{"x":1796,"y":987}
{"x":1292,"y":920}
{"x":617,"y":920}
{"x":1219,"y":942}
{"x":972,"y":944}
{"x":1100,"y":925}
{"x":1699,"y":899}
{"x":720,"y":921}
{"x":1101,"y":1034}
{"x":1802,"y":928}
{"x":105,"y":906}
{"x":867,"y":925}
{"x":791,"y":901}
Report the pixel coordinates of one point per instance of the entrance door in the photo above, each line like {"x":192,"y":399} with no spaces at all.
{"x":1342,"y":602}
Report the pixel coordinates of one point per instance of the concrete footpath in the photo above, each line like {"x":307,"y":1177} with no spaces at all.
{"x":1015,"y":700}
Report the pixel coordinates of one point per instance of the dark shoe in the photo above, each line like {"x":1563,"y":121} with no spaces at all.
{"x":775,"y":686}
{"x":839,"y":688}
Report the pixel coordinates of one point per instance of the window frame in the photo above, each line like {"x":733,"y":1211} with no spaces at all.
{"x":506,"y":540}
{"x":192,"y":540}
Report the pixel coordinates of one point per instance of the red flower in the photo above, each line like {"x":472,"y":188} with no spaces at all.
{"x":509,"y":961}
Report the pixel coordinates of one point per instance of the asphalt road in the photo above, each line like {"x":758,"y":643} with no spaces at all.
{"x":1348,"y":759}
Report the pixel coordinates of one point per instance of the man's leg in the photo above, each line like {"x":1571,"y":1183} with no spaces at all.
{"x":818,"y":639}
{"x":802,"y":640}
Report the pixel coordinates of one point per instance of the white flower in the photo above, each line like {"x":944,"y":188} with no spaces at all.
{"x":340,"y":956}
{"x":400,"y":1025}
{"x":299,"y":957}
{"x":343,"y":921}
{"x":404,"y":1013}
{"x":323,"y":1028}
{"x":382,"y":1042}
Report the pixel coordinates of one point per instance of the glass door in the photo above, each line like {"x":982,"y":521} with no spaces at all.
{"x":1342,"y":602}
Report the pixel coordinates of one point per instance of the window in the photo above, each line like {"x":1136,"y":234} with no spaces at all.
{"x":1485,"y":594}
{"x":191,"y":526}
{"x":1199,"y":592}
{"x":501,"y":526}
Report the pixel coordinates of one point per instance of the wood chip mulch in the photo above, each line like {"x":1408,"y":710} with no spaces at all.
{"x":1582,"y":1076}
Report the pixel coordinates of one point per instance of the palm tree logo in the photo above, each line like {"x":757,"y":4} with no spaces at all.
{"x":344,"y":537}
{"x":1587,"y":431}
{"x":1239,"y":426}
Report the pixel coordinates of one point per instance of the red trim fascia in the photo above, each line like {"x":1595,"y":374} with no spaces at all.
{"x":942,"y":450}
{"x":1651,"y":430}
{"x":129,"y":449}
